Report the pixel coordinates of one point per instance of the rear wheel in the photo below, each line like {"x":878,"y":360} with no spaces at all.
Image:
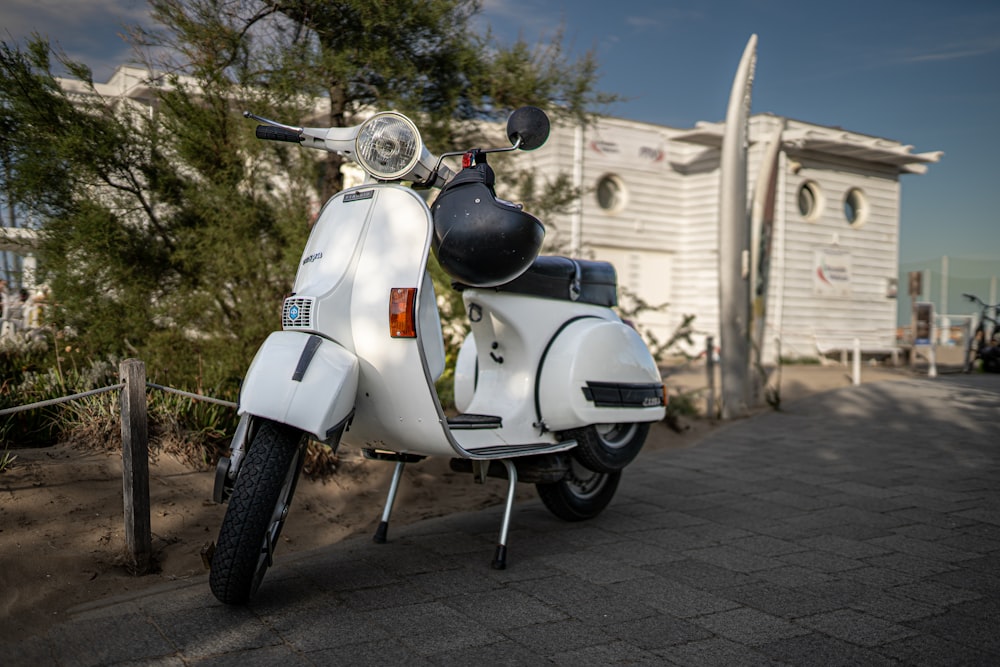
{"x":582,"y":494}
{"x":257,"y":510}
{"x":972,"y":349}
{"x":607,"y":447}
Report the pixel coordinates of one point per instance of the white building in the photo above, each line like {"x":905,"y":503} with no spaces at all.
{"x":651,"y":206}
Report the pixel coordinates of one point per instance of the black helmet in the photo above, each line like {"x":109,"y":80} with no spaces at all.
{"x":479,"y":240}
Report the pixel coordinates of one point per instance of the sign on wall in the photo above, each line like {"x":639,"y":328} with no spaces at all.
{"x":832,"y":272}
{"x":632,"y":149}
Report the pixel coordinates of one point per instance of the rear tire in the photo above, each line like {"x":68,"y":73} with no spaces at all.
{"x":607,"y":448}
{"x":581,"y":495}
{"x":257,"y":510}
{"x":972,"y":347}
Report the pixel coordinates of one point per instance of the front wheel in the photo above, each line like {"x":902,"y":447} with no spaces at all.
{"x":607,"y":448}
{"x":582,"y":494}
{"x":257,"y":510}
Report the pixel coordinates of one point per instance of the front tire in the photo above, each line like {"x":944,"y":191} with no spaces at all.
{"x":607,"y":448}
{"x":581,"y":495}
{"x":258,"y":506}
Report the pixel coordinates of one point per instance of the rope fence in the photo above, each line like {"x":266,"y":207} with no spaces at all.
{"x":197,"y":397}
{"x":57,"y":401}
{"x":135,"y":451}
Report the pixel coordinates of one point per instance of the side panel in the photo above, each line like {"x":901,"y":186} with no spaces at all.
{"x":429,"y":326}
{"x":465,"y":373}
{"x":589,"y":359}
{"x":302,"y":380}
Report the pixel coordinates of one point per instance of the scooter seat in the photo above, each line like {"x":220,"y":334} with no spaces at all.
{"x":555,"y":277}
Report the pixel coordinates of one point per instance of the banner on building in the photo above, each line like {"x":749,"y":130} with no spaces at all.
{"x":832,"y":272}
{"x":630,"y":149}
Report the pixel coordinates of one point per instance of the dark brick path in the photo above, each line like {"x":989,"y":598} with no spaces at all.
{"x":858,"y":527}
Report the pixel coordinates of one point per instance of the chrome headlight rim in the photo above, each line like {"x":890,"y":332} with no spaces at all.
{"x":371,"y":141}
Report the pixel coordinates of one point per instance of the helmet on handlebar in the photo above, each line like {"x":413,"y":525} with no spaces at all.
{"x":479,"y":240}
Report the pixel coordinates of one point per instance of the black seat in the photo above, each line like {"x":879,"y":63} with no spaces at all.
{"x":555,"y":277}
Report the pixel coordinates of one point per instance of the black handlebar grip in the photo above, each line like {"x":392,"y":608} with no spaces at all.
{"x":270,"y":133}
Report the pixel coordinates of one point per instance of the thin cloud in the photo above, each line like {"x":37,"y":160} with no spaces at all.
{"x":643,"y":22}
{"x":660,"y":19}
{"x":948,"y":52}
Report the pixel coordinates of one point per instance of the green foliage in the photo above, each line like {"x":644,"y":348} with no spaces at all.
{"x":7,"y":459}
{"x":684,"y":404}
{"x":20,"y":354}
{"x":163,"y":231}
{"x":198,"y":432}
{"x":632,"y":307}
{"x":47,"y":374}
{"x":681,"y":404}
{"x":169,"y":232}
{"x":22,"y":360}
{"x":195,"y":430}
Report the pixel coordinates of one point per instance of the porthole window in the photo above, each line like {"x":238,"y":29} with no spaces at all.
{"x":611,"y":193}
{"x":810,"y":201}
{"x":855,"y":207}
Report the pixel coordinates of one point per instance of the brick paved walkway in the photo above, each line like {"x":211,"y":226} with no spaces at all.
{"x":858,"y":527}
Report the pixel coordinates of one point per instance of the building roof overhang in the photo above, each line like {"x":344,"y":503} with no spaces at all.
{"x":829,"y":140}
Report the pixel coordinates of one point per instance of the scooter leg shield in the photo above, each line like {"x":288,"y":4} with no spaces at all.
{"x":302,"y":380}
{"x":599,"y":372}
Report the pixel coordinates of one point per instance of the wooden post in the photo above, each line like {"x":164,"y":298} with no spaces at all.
{"x":135,"y":465}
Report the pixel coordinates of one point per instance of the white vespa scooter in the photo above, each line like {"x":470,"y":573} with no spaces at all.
{"x":551,"y":386}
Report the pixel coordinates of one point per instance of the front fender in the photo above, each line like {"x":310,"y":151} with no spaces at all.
{"x":302,"y":380}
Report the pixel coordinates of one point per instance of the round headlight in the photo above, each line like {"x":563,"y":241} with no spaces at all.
{"x":388,"y":145}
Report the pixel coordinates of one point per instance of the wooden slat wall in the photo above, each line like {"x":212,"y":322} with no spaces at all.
{"x":670,"y":224}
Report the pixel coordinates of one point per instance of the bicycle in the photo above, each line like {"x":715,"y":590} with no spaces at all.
{"x":984,"y":340}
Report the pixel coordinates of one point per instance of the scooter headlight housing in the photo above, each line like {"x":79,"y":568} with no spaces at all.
{"x":388,"y":146}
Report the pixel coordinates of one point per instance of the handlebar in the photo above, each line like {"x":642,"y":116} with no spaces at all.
{"x":527,"y":129}
{"x":979,"y":302}
{"x":270,"y":133}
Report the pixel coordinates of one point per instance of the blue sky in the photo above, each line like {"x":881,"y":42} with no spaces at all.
{"x":923,"y":72}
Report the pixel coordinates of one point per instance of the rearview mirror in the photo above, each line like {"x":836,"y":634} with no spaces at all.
{"x":530,"y":125}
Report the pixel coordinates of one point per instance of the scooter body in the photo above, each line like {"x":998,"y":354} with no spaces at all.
{"x":550,"y":384}
{"x":542,"y":363}
{"x":536,"y":363}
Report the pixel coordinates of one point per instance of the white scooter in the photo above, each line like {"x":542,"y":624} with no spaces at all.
{"x":551,"y":386}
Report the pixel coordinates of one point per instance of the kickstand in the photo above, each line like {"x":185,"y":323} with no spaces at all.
{"x":500,"y":558}
{"x":383,"y":527}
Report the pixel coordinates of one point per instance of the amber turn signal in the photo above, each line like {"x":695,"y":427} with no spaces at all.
{"x":403,"y":312}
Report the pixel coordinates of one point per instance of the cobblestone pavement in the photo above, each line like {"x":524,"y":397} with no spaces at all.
{"x":859,"y":526}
